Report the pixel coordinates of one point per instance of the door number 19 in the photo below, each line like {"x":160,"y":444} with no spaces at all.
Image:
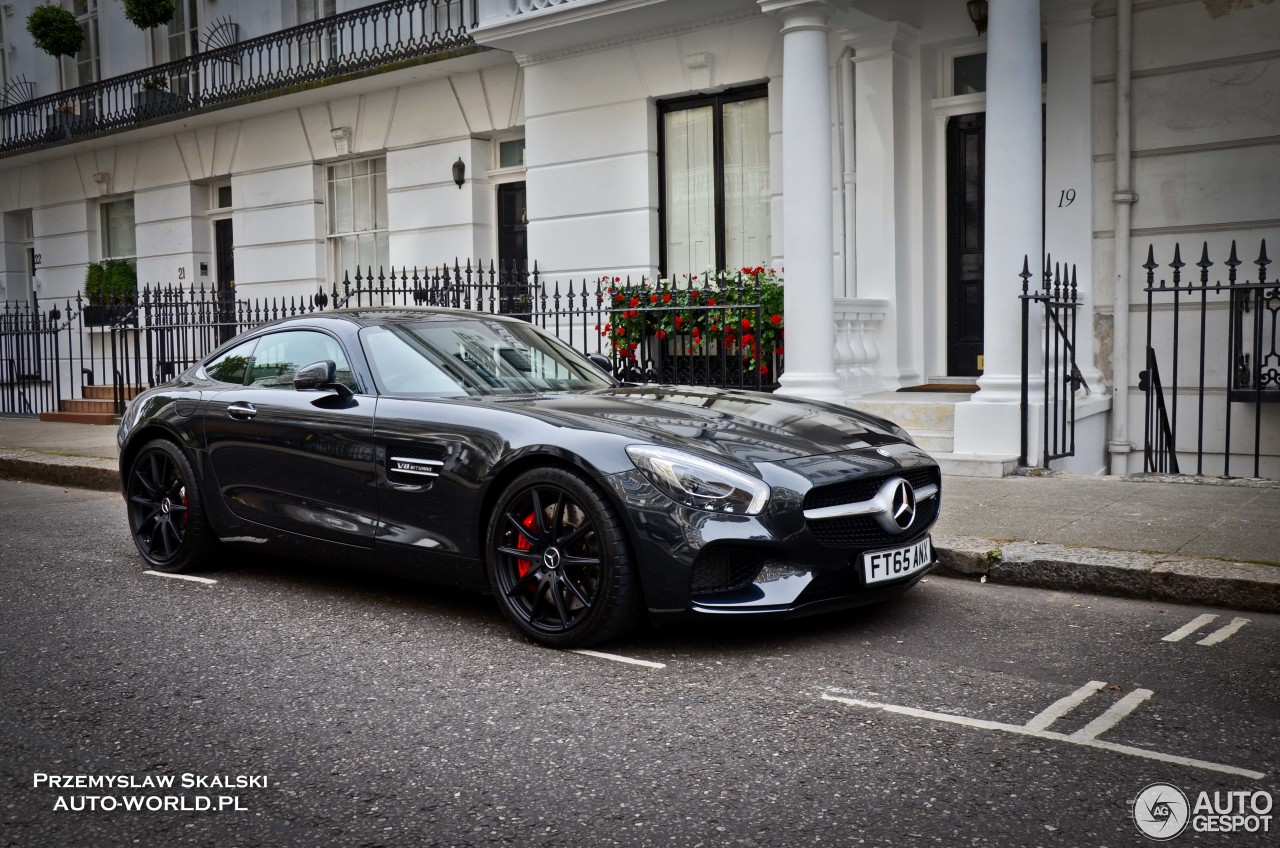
{"x":1067,"y":197}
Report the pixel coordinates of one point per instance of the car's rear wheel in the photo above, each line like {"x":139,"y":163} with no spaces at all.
{"x":166,"y":512}
{"x":559,"y":562}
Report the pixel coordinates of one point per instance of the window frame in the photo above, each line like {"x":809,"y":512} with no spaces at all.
{"x":717,"y":100}
{"x":332,"y":237}
{"x":104,"y":230}
{"x":88,"y":21}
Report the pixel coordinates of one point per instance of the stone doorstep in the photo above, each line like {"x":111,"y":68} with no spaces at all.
{"x":1129,"y":574}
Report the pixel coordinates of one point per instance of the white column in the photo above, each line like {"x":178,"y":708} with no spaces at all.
{"x":806,"y":199}
{"x":883,"y":104}
{"x":1068,"y":202}
{"x":991,"y":422}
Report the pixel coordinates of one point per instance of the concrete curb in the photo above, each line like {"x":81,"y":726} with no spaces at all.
{"x":82,"y":472}
{"x":1128,"y":574}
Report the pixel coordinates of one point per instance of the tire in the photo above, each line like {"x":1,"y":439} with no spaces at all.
{"x":166,"y":510}
{"x":559,"y":562}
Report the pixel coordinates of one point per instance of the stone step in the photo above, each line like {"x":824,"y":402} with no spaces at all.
{"x":975,"y":465}
{"x":80,"y":417}
{"x":108,"y":392}
{"x":90,"y":405}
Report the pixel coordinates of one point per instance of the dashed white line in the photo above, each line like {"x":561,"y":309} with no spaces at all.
{"x":620,"y":658}
{"x":1190,"y":627}
{"x":1113,"y":716}
{"x":190,"y":577}
{"x":1065,"y":705}
{"x":1224,"y":633}
{"x":1020,"y":730}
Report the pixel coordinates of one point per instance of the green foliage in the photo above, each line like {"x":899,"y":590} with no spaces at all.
{"x":155,"y":83}
{"x":995,"y":555}
{"x":703,"y":317}
{"x":54,"y":30}
{"x":110,"y":281}
{"x":145,"y":14}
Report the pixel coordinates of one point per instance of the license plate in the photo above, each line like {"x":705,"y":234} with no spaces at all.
{"x":880,"y":566}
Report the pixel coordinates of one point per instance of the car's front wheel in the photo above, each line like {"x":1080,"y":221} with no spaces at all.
{"x":166,"y":512}
{"x":559,"y":562}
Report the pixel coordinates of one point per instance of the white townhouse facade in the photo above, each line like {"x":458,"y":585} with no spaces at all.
{"x":892,"y":161}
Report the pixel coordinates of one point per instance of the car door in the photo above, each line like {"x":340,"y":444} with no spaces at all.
{"x":298,"y":461}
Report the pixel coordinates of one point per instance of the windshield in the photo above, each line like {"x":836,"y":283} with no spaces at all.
{"x":446,"y":357}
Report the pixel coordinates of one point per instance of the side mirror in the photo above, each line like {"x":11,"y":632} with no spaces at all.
{"x":319,"y":376}
{"x":602,"y":362}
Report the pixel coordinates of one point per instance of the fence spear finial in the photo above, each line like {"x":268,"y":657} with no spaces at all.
{"x":1263,"y":262}
{"x":1026,"y":272}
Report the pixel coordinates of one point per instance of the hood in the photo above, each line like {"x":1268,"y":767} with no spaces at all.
{"x":749,"y":427}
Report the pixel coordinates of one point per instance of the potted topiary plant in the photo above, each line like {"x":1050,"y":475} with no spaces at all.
{"x":111,"y":288}
{"x":55,"y":30}
{"x":154,"y":98}
{"x":146,"y":14}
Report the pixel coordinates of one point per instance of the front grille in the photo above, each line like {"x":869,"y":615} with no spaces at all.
{"x":863,"y":531}
{"x":865,"y":488}
{"x":724,"y":569}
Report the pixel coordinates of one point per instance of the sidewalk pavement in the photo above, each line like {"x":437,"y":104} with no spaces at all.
{"x":1201,"y":541}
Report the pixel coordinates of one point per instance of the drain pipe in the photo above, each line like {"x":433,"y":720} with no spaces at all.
{"x":1123,"y":198}
{"x":848,"y":139}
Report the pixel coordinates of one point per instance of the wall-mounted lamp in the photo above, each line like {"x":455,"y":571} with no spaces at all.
{"x":978,"y":14}
{"x":459,"y":172}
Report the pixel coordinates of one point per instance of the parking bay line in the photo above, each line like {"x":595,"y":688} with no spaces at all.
{"x":1023,"y":730}
{"x":1224,"y":633}
{"x":620,"y":658}
{"x":190,"y":577}
{"x":1190,"y":627}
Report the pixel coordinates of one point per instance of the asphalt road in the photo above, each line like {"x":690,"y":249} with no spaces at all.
{"x":388,"y":713}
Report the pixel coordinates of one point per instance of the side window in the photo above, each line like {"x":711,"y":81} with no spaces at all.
{"x":231,"y":366}
{"x":279,"y":356}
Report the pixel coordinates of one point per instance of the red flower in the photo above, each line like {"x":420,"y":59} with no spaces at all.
{"x":617,"y":279}
{"x":747,"y":339}
{"x":693,"y":294}
{"x":653,"y":298}
{"x":617,"y":298}
{"x":711,"y":302}
{"x":746,"y":323}
{"x":633,"y":314}
{"x":635,"y":301}
{"x":622,"y":331}
{"x":776,"y":319}
{"x":764,"y":369}
{"x":662,"y":334}
{"x":781,"y":352}
{"x":666,"y":297}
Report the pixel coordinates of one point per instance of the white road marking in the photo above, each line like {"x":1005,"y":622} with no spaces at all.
{"x":1190,"y":627}
{"x":1224,"y":633}
{"x":621,"y":659}
{"x":1114,"y":715}
{"x":1048,"y":734}
{"x":190,"y":577}
{"x":1064,"y":705}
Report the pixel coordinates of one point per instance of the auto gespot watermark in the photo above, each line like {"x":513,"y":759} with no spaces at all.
{"x":1162,"y":811}
{"x":151,"y":793}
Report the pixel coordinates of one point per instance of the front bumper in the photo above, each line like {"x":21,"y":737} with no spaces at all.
{"x":693,"y":563}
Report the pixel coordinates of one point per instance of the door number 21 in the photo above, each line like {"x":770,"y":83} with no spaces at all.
{"x":1067,"y":197}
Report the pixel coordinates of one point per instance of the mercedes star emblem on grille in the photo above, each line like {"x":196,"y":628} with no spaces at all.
{"x":903,"y":507}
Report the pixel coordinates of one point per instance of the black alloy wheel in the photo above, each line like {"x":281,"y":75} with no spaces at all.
{"x":166,"y":513}
{"x":559,"y":563}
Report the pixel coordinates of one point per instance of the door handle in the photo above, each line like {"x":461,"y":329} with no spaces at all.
{"x":241,"y":411}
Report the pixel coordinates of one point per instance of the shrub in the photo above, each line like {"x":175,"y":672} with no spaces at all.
{"x":110,"y":281}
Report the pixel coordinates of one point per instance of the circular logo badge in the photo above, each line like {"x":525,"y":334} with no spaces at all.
{"x":904,"y":505}
{"x":1160,"y":811}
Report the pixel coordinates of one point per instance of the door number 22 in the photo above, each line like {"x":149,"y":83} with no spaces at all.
{"x":1066,"y":197}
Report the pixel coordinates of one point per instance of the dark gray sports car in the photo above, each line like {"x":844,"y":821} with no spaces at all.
{"x":483,"y":452}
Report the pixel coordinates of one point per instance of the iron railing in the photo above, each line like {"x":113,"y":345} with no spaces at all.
{"x":30,"y":381}
{"x":349,"y":44}
{"x":1059,"y":297}
{"x":692,"y":331}
{"x":1232,"y":343}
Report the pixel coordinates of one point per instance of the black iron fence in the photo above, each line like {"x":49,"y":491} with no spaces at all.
{"x":1059,"y":300}
{"x":1212,"y":368}
{"x":710,"y":330}
{"x":351,"y":43}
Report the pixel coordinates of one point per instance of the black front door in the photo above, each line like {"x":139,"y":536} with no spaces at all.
{"x":966,"y":160}
{"x":513,"y":248}
{"x":225,"y":267}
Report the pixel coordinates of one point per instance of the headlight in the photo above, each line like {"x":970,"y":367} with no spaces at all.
{"x":699,"y":483}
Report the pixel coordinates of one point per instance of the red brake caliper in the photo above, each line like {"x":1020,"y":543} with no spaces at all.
{"x":524,"y":566}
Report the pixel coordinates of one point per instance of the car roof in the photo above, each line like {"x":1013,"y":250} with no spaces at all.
{"x":371,"y":316}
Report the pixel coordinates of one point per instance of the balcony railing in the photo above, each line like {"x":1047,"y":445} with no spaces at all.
{"x":352,"y":43}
